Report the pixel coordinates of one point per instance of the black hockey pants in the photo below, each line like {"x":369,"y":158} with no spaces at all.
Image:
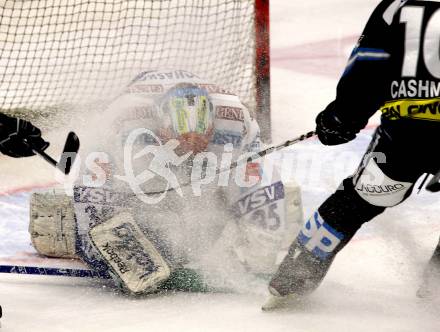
{"x":385,"y":178}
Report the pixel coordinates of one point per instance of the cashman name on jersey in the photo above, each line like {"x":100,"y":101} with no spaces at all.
{"x":415,"y":89}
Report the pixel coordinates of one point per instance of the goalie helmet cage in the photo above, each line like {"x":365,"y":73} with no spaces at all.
{"x":61,"y":54}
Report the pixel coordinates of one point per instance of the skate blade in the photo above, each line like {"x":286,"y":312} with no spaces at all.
{"x":423,"y":293}
{"x":280,"y":302}
{"x":427,"y":292}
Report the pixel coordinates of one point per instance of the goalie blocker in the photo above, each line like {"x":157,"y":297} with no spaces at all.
{"x":133,"y":261}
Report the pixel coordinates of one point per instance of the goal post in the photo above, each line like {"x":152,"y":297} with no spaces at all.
{"x":63,"y":54}
{"x":262,"y":68}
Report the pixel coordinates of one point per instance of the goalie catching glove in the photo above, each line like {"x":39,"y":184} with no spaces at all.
{"x":19,"y":137}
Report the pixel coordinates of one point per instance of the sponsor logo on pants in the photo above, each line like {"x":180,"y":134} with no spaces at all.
{"x":319,"y":237}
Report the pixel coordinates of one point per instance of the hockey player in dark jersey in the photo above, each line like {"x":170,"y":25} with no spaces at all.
{"x":19,"y":137}
{"x":395,"y":68}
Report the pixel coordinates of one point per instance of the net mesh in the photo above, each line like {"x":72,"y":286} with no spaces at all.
{"x":73,"y":52}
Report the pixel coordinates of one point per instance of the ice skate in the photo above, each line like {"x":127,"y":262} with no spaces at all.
{"x":276,"y":301}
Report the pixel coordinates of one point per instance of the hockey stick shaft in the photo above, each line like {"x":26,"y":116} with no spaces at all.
{"x":269,"y":150}
{"x":46,"y":157}
{"x":71,"y":147}
{"x":51,"y":271}
{"x":235,"y":164}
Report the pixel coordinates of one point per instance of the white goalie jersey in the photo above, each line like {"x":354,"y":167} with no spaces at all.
{"x":173,"y":128}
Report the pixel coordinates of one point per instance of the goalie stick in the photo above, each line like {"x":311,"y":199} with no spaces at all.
{"x":51,"y":271}
{"x":434,"y":184}
{"x":181,"y":279}
{"x":233,"y":165}
{"x":68,"y":156}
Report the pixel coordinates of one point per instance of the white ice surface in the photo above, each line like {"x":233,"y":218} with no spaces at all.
{"x":371,"y":285}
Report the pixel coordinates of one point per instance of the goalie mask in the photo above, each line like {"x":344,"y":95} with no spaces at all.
{"x":186,"y":114}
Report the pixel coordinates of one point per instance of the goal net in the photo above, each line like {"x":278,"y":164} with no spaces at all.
{"x":76,"y":53}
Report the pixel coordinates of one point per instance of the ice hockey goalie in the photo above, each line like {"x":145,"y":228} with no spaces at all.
{"x":170,"y":128}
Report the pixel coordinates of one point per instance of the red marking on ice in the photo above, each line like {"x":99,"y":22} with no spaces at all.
{"x":34,"y":259}
{"x":18,"y":190}
{"x":325,"y":58}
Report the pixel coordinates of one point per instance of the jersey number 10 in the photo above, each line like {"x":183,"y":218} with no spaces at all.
{"x":413,"y":17}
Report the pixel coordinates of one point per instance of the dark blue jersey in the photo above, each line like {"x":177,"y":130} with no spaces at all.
{"x":395,"y":68}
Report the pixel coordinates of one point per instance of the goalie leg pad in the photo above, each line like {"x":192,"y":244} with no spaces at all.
{"x":134,"y":262}
{"x":52,"y":224}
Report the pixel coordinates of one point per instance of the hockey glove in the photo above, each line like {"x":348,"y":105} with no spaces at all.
{"x":18,"y":137}
{"x":330,"y":129}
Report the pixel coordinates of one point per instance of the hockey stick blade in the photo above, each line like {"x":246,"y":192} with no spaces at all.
{"x":434,"y":184}
{"x":70,"y":151}
{"x":274,"y":303}
{"x":68,"y":156}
